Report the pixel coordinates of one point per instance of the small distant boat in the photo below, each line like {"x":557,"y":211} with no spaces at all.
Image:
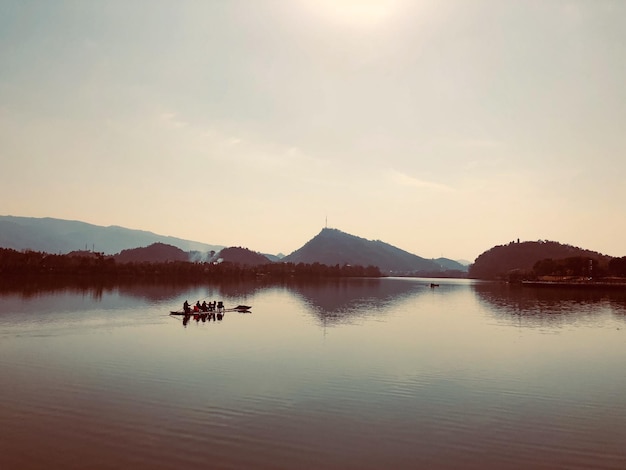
{"x":432,"y":284}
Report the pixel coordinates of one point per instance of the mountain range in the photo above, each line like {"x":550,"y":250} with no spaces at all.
{"x":62,"y":236}
{"x":330,"y":246}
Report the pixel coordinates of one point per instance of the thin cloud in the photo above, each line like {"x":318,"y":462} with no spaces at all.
{"x":402,"y":179}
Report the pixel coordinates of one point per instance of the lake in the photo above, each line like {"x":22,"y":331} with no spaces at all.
{"x":345,"y":374}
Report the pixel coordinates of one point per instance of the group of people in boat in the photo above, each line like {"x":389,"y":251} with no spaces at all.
{"x":204,"y":307}
{"x":203,"y":311}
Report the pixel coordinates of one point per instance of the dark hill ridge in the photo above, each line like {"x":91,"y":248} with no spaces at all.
{"x":332,"y":246}
{"x":59,"y":236}
{"x":448,"y":264}
{"x":63,"y":236}
{"x":155,"y":253}
{"x":242,"y":256}
{"x":163,"y":253}
{"x":501,"y":260}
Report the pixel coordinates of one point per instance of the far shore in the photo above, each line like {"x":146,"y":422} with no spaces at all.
{"x":577,"y":282}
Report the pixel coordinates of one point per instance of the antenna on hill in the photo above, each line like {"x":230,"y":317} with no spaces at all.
{"x":326,"y":222}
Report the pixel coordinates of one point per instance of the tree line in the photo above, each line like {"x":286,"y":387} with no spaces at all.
{"x":99,"y":266}
{"x":572,"y":267}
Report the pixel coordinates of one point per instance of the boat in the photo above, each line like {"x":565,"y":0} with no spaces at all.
{"x":238,"y":308}
{"x":242,"y":307}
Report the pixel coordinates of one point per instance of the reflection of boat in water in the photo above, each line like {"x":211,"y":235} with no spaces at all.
{"x":207,"y":316}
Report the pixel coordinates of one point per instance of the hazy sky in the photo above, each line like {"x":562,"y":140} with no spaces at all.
{"x":441,"y":127}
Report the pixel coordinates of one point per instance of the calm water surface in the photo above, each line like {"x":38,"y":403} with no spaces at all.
{"x":362,"y":374}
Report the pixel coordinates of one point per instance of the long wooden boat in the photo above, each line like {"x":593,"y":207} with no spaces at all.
{"x":238,"y":308}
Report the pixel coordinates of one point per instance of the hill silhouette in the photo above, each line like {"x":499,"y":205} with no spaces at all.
{"x":155,"y":253}
{"x":501,"y":260}
{"x":63,"y":236}
{"x":332,"y":247}
{"x":242,"y":256}
{"x":451,"y":265}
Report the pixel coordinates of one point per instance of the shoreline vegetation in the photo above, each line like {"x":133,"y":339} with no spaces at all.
{"x":29,"y":265}
{"x":611,"y":282}
{"x":88,"y":268}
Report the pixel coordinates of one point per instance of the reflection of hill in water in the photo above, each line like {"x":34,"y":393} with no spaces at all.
{"x":338,"y":300}
{"x":234,"y":289}
{"x":549,"y":305}
{"x":152,"y":291}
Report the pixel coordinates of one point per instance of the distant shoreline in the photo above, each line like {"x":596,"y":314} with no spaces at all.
{"x":577,"y":283}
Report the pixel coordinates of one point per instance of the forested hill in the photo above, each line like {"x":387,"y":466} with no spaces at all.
{"x":332,"y":247}
{"x":155,"y":253}
{"x":242,"y":256}
{"x":500,"y":261}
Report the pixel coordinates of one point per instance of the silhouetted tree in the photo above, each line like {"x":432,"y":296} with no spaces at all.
{"x":617,"y":266}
